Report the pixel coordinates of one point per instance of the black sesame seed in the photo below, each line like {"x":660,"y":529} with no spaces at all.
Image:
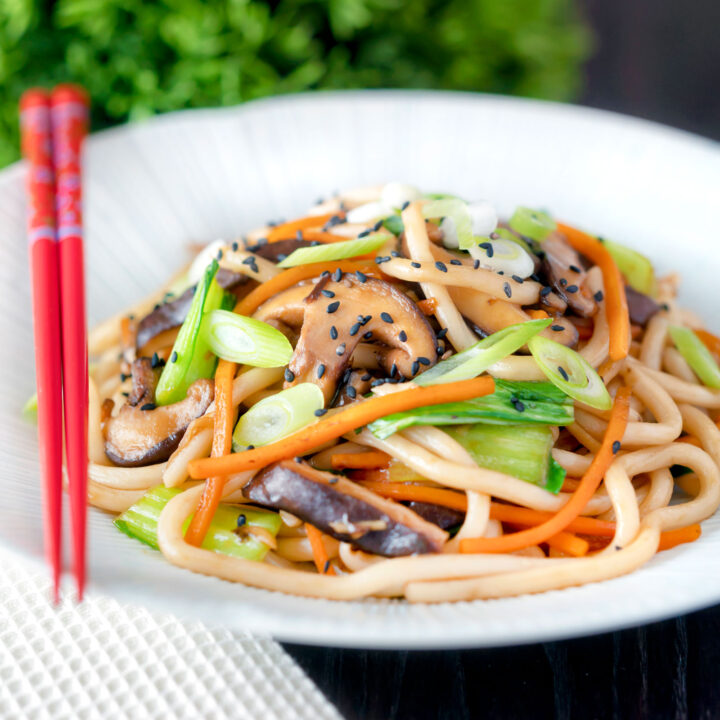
{"x":235,"y":247}
{"x":320,"y":412}
{"x":415,"y":264}
{"x":332,"y":480}
{"x":563,"y":282}
{"x":395,"y":253}
{"x":507,"y":289}
{"x":173,"y":357}
{"x":545,"y":291}
{"x":364,"y":233}
{"x":377,"y":225}
{"x":333,"y":306}
{"x":326,"y":567}
{"x":439,"y":349}
{"x":299,"y":235}
{"x":423,"y":360}
{"x":500,"y":272}
{"x":241,"y":520}
{"x":155,"y":362}
{"x":333,"y":332}
{"x":126,"y":394}
{"x":598,"y":296}
{"x":476,"y":264}
{"x":328,"y":293}
{"x":281,"y":257}
{"x":123,"y":377}
{"x":665,"y":307}
{"x":366,"y":377}
{"x":386,"y":317}
{"x":362,"y":277}
{"x":415,"y":367}
{"x":557,"y":328}
{"x":320,"y":371}
{"x":519,"y":406}
{"x":155,"y":307}
{"x":148,"y":406}
{"x":402,"y":336}
{"x":442,"y":333}
{"x":563,"y":372}
{"x":488,"y":248}
{"x":368,"y":335}
{"x":518,"y":279}
{"x":249,"y":260}
{"x":219,"y":254}
{"x":354,"y":329}
{"x":393,"y":370}
{"x":340,"y":349}
{"x":377,"y":382}
{"x":571,"y":289}
{"x":616,"y":447}
{"x":455,"y":261}
{"x":337,"y":275}
{"x":441,"y":266}
{"x":574,"y":268}
{"x":298,"y":458}
{"x":351,"y":392}
{"x":314,"y":243}
{"x":289,"y":375}
{"x":405,"y":205}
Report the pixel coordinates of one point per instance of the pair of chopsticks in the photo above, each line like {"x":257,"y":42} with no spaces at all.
{"x":53,"y":127}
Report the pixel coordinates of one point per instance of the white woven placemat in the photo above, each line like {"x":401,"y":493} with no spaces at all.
{"x":106,"y":660}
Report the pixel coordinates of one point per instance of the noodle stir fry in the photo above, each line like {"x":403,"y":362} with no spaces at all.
{"x":400,"y":395}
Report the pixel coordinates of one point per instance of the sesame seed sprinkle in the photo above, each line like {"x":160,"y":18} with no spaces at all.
{"x":571,"y":289}
{"x":333,"y":332}
{"x":574,"y":268}
{"x":173,"y":357}
{"x":557,"y":328}
{"x":598,"y":296}
{"x":476,"y":264}
{"x":545,"y":291}
{"x":320,"y":371}
{"x":354,"y":329}
{"x":402,"y":336}
{"x":351,"y":392}
{"x":616,"y":447}
{"x":367,"y":335}
{"x":415,"y":367}
{"x":328,"y":293}
{"x":362,"y":277}
{"x":507,"y":289}
{"x":148,"y":406}
{"x":442,"y":333}
{"x":337,"y":275}
{"x":563,"y":372}
{"x":340,"y":349}
{"x":415,"y":264}
{"x":386,"y":317}
{"x":441,"y":266}
{"x":333,"y":306}
{"x":320,"y":412}
{"x":289,"y":375}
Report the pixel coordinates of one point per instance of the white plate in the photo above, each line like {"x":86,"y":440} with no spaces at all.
{"x":195,"y":176}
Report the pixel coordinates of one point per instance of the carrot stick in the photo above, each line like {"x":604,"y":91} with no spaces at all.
{"x":711,"y":342}
{"x":570,"y":511}
{"x":323,"y":237}
{"x":671,"y":538}
{"x":537,"y":314}
{"x":221,"y":445}
{"x":418,"y":493}
{"x":615,"y":299}
{"x":366,"y":460}
{"x":427,"y":307}
{"x":289,"y":229}
{"x":569,"y":544}
{"x":292,"y":276}
{"x":349,"y":418}
{"x":320,"y":556}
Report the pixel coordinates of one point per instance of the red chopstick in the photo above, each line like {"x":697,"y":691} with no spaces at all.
{"x":36,"y":147}
{"x":69,"y":117}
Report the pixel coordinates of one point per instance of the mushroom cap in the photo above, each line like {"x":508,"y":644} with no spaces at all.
{"x":565,"y":272}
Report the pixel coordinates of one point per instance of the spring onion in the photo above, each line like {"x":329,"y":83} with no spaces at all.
{"x":506,"y":234}
{"x":503,"y":255}
{"x":696,"y":354}
{"x":512,"y":403}
{"x":246,"y":340}
{"x":279,"y":415}
{"x":480,"y":356}
{"x":141,"y":520}
{"x":335,"y":251}
{"x":394,"y":224}
{"x":456,"y":224}
{"x":636,"y":268}
{"x":518,"y":450}
{"x":534,"y":224}
{"x":368,"y":212}
{"x":570,"y":372}
{"x":191,"y":356}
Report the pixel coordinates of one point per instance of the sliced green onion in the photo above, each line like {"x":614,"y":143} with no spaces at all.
{"x":507,"y":256}
{"x":518,"y":450}
{"x":30,"y":408}
{"x":636,"y":268}
{"x":191,"y":358}
{"x":246,"y":340}
{"x":696,"y":354}
{"x":141,"y":520}
{"x":534,"y":224}
{"x":335,"y":251}
{"x":457,"y":222}
{"x":512,"y":403}
{"x":279,"y":415}
{"x":506,"y":234}
{"x":479,"y":357}
{"x":570,"y":372}
{"x":394,"y":224}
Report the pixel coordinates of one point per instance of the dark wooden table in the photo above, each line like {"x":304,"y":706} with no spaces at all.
{"x":665,"y":670}
{"x":658,"y":59}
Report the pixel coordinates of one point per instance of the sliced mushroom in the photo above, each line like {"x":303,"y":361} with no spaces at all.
{"x":640,"y":306}
{"x":443,"y":517}
{"x":344,"y":510}
{"x":144,"y":381}
{"x":143,"y":434}
{"x":340,"y":312}
{"x":566,"y":274}
{"x":277,"y":251}
{"x":355,"y":384}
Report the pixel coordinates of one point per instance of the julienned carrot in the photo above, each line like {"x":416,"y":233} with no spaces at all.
{"x":615,"y":299}
{"x":427,"y":307}
{"x":537,"y":314}
{"x":362,"y":460}
{"x":222,"y":445}
{"x":671,"y":538}
{"x":350,"y":418}
{"x":572,"y":509}
{"x":320,"y":556}
{"x":711,"y":342}
{"x":288,"y":230}
{"x":569,"y":544}
{"x":291,"y":276}
{"x":323,"y":237}
{"x":418,"y":493}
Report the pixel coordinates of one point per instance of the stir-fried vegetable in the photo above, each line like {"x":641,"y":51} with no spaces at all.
{"x":279,"y":415}
{"x":570,"y":372}
{"x":191,"y":357}
{"x":512,"y":403}
{"x":534,"y":224}
{"x":480,"y":356}
{"x":334,"y":251}
{"x":394,"y":224}
{"x":636,"y":268}
{"x":457,"y":223}
{"x":503,"y":255}
{"x":226,"y":534}
{"x":519,"y":450}
{"x":697,"y":355}
{"x":246,"y":340}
